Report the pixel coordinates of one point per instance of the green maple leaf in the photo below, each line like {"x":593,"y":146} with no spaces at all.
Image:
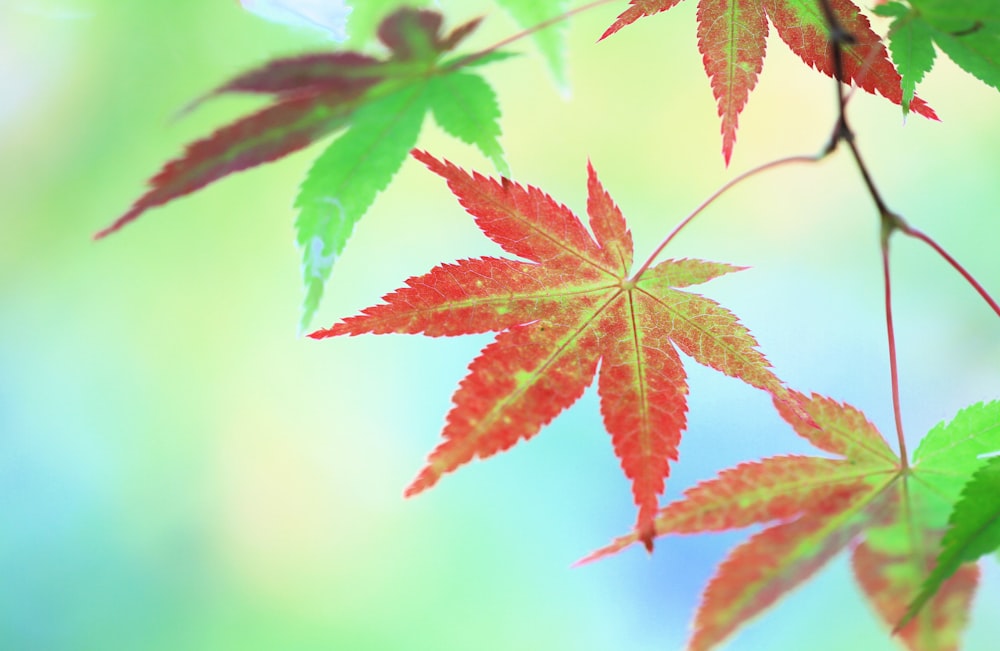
{"x":973,"y":532}
{"x":968,"y":31}
{"x":379,"y":104}
{"x":551,"y":41}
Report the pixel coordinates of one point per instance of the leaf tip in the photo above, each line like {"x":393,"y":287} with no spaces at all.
{"x":627,"y":17}
{"x":634,"y":13}
{"x":793,"y":407}
{"x":322,"y":333}
{"x":189,"y":107}
{"x":424,"y":157}
{"x":501,"y":165}
{"x":616,"y":546}
{"x":131,"y":215}
{"x":919,"y":106}
{"x":647,"y":533}
{"x":591,"y":557}
{"x":908,"y":616}
{"x":727,"y":148}
{"x":427,"y":478}
{"x":339,"y":329}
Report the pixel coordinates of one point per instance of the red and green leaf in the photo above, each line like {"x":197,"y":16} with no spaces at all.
{"x":379,"y":103}
{"x":567,"y":308}
{"x":274,"y":132}
{"x":801,"y":25}
{"x":815,"y":507}
{"x":760,"y":571}
{"x":731,"y":39}
{"x":337,"y":73}
{"x":889,"y":581}
{"x":973,"y":532}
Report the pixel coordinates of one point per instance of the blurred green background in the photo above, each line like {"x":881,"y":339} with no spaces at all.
{"x":180,"y":470}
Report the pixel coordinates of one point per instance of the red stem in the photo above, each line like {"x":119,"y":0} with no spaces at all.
{"x":718,"y":193}
{"x":893,"y":366}
{"x":890,"y":221}
{"x":929,"y":241}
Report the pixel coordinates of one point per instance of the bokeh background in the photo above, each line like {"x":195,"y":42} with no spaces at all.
{"x":180,"y":470}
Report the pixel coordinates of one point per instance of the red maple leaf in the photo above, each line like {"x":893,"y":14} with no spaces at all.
{"x":732,"y":36}
{"x":570,"y":308}
{"x":892,"y":515}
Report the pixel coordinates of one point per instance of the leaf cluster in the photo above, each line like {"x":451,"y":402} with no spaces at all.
{"x":568,"y":307}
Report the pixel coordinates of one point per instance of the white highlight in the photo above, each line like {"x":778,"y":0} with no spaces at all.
{"x":329,"y":16}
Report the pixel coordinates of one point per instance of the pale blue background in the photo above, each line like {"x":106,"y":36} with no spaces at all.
{"x":179,"y":470}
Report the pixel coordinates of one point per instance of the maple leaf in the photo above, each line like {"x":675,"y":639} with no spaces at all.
{"x":732,"y":37}
{"x":968,"y":32}
{"x":379,"y":103}
{"x":973,"y":532}
{"x":567,"y":310}
{"x":550,"y":41}
{"x":893,"y":515}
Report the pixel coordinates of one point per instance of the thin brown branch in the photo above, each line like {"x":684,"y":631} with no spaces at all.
{"x":890,"y":221}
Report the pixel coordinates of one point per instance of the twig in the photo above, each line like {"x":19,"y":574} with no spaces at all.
{"x":893,"y":366}
{"x":890,"y":221}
